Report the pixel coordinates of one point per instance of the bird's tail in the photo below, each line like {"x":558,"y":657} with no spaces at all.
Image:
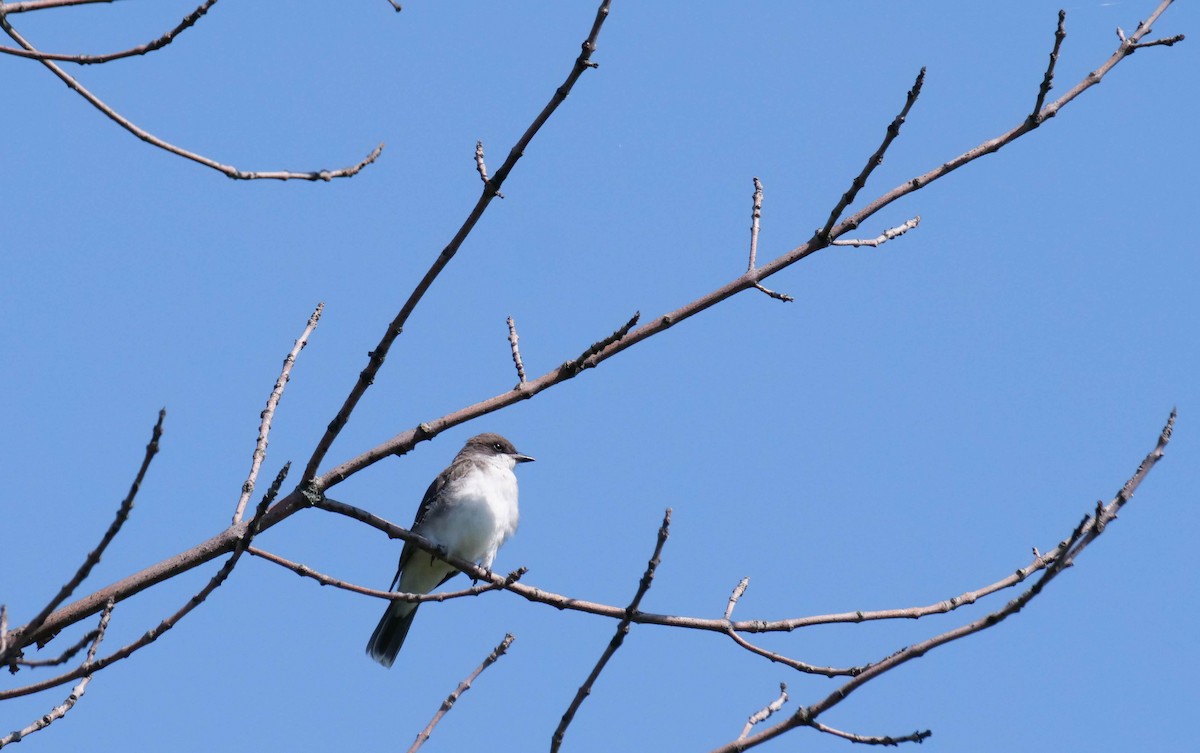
{"x":389,"y":634}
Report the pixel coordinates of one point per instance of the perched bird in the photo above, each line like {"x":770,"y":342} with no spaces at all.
{"x":470,"y":509}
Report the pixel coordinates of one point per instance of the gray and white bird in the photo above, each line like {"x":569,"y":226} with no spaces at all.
{"x":470,"y":509}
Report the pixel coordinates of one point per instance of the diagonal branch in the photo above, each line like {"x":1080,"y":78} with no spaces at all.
{"x":875,"y":160}
{"x":264,"y":427}
{"x":59,"y":711}
{"x":150,"y":138}
{"x":151,"y":46}
{"x":94,"y":556}
{"x":89,"y":667}
{"x":618,"y":637}
{"x":463,"y":687}
{"x":1061,"y":558}
{"x":300,"y":499}
{"x":490,"y":190}
{"x":1048,"y":79}
{"x":305,"y":571}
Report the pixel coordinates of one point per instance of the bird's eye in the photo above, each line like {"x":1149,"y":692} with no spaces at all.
{"x":497,"y":447}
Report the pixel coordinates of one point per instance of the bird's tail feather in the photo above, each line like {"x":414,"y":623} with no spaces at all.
{"x":389,"y":634}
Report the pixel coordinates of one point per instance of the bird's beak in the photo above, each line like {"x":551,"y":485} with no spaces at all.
{"x":523,"y":458}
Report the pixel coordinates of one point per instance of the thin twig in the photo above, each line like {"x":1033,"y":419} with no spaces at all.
{"x":516,"y":352}
{"x":463,"y":687}
{"x":1060,"y":558}
{"x":149,"y":138}
{"x":325,"y":580}
{"x":576,"y":365}
{"x":31,"y":629}
{"x":755,"y":216}
{"x":151,"y":46}
{"x":90,"y":667}
{"x":881,"y":239}
{"x":481,"y":168}
{"x":787,"y":661}
{"x":738,"y":591}
{"x":875,"y":160}
{"x":403,"y":442}
{"x":31,"y":5}
{"x":618,"y":637}
{"x":62,"y":658}
{"x":1048,"y":79}
{"x":264,"y":426}
{"x":377,"y":356}
{"x":1167,"y":42}
{"x":765,"y":712}
{"x":59,"y":711}
{"x":916,"y":737}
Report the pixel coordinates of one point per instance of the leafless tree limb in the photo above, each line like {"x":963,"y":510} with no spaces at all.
{"x":874,"y":161}
{"x":463,"y":687}
{"x":59,"y":711}
{"x":325,"y":580}
{"x":584,"y":361}
{"x":89,"y":667}
{"x":618,"y":637}
{"x":11,"y":652}
{"x":377,"y":356}
{"x":916,"y":737}
{"x":738,"y":591}
{"x":264,"y":427}
{"x":882,"y":238}
{"x":1059,"y":559}
{"x":313,"y":486}
{"x":151,"y":46}
{"x":516,"y":352}
{"x":1048,"y":79}
{"x":62,"y":658}
{"x":765,"y":712}
{"x":32,"y":5}
{"x":481,"y":168}
{"x":755,"y":216}
{"x":150,"y":138}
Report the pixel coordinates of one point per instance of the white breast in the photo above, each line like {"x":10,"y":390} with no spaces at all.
{"x":479,"y":513}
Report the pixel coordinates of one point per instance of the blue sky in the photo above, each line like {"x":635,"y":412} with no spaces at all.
{"x":919,"y":418}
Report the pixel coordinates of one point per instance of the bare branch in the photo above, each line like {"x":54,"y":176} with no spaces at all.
{"x":915,"y":737}
{"x":618,"y":637}
{"x":463,"y":687}
{"x":1168,"y":42}
{"x":305,"y":571}
{"x":31,"y":629}
{"x":577,"y":365}
{"x":883,"y":238}
{"x":264,"y":427}
{"x":90,"y":667}
{"x":31,"y":5}
{"x":765,"y":712}
{"x":150,"y":138}
{"x":314,"y":486}
{"x":481,"y":168}
{"x":377,"y":356}
{"x":516,"y":352}
{"x":1059,"y":559}
{"x":875,"y":160}
{"x":62,"y":658}
{"x":788,"y":661}
{"x":755,"y":216}
{"x":59,"y":711}
{"x":151,"y":46}
{"x":1048,"y":79}
{"x":738,"y":591}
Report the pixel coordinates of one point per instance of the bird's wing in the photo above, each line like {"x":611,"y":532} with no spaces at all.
{"x":428,"y":502}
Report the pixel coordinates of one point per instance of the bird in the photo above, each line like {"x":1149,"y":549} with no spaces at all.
{"x":469,"y":510}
